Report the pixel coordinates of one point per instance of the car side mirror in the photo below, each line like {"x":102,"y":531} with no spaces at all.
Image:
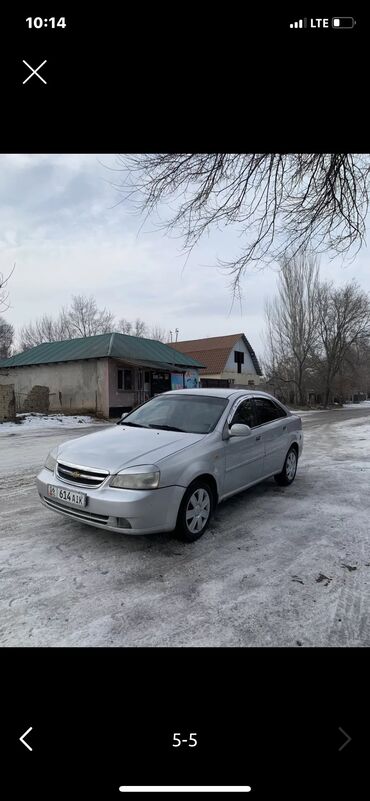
{"x":122,"y":418}
{"x":239,"y":430}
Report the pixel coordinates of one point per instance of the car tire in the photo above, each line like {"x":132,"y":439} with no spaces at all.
{"x":195,"y":511}
{"x":289,"y":470}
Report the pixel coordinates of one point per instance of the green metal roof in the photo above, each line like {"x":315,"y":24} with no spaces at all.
{"x":116,"y":346}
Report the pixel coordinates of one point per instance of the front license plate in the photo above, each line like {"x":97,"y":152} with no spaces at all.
{"x":68,"y":496}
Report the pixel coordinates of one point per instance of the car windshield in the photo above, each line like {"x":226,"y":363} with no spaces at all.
{"x":186,"y":413}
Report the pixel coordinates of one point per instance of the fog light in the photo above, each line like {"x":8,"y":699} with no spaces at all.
{"x":123,"y":523}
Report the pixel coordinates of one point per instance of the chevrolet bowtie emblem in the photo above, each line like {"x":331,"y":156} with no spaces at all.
{"x":76,"y":474}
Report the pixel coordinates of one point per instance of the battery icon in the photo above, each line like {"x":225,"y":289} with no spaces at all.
{"x":343,"y":22}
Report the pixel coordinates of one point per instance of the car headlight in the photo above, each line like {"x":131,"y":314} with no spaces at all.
{"x":139,"y":478}
{"x":50,"y":462}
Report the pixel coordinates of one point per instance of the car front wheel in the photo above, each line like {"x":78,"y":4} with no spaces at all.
{"x":195,"y":511}
{"x":289,"y":470}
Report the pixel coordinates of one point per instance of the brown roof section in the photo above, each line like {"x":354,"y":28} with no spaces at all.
{"x":214,"y":351}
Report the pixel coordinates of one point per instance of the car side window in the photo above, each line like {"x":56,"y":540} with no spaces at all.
{"x":245,"y":413}
{"x":267,"y":411}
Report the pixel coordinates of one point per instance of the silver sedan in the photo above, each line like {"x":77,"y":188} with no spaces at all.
{"x":170,"y":461}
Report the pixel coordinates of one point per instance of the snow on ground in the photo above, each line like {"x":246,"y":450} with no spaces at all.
{"x":345,"y":445}
{"x":43,"y":421}
{"x":279,"y":566}
{"x":304,"y":412}
{"x":365,"y":404}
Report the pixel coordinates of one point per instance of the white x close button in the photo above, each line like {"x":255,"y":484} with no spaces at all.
{"x":34,"y":71}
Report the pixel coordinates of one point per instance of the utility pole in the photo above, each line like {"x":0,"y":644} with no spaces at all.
{"x":177,"y":333}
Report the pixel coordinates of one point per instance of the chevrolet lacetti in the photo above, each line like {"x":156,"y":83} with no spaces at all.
{"x":166,"y":464}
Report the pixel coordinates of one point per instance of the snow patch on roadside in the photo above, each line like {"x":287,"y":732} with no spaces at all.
{"x":304,"y":412}
{"x":43,"y":421}
{"x":366,"y":404}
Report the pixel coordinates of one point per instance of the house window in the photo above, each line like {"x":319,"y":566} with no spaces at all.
{"x":124,"y":379}
{"x":239,"y":359}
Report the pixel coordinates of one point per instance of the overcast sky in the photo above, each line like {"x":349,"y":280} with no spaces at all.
{"x":61,"y":223}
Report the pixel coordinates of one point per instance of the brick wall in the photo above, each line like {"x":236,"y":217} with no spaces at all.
{"x":7,"y":402}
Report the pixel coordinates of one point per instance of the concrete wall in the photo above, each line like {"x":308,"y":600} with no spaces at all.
{"x":247,"y":367}
{"x":102,"y":387}
{"x":80,"y":386}
{"x":7,"y":402}
{"x":37,"y":400}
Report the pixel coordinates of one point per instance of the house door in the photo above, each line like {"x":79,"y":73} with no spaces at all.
{"x":140,"y":386}
{"x":161,"y":382}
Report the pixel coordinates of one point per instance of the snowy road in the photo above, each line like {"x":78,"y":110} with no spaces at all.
{"x":279,"y":566}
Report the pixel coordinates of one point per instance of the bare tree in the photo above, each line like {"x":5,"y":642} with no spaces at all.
{"x":281,"y":203}
{"x":139,"y":328}
{"x":81,"y":319}
{"x":135,"y":329}
{"x":45,"y":329}
{"x":6,"y":338}
{"x":4,"y":294}
{"x":84,"y":319}
{"x":353,"y":376}
{"x":291,"y":319}
{"x":344,"y":323}
{"x":124,"y":327}
{"x":159,"y":333}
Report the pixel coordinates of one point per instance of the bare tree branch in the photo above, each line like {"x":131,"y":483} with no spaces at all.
{"x":6,"y":338}
{"x":282,"y":203}
{"x":4,"y":294}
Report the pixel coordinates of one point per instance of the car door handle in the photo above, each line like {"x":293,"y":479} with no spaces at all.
{"x":257,"y":438}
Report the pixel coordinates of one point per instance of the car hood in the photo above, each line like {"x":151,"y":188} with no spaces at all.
{"x":122,"y":446}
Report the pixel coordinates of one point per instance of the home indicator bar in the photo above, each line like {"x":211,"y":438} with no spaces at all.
{"x":166,"y":788}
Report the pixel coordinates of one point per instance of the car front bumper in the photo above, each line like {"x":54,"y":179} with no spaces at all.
{"x":120,"y":510}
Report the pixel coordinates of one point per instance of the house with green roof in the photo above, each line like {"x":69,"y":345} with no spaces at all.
{"x":105,"y":374}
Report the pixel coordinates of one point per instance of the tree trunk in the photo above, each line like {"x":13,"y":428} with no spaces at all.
{"x":326,"y":396}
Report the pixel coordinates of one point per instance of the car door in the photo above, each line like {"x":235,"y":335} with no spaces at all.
{"x":272,"y":425}
{"x":243,"y":455}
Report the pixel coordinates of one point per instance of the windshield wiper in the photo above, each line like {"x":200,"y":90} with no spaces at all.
{"x":136,"y":425}
{"x":167,"y":428}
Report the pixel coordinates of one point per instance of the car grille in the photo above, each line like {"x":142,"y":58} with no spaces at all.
{"x":78,"y":514}
{"x":81,"y":476}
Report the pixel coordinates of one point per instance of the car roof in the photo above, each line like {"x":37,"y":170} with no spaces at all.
{"x":221,"y":393}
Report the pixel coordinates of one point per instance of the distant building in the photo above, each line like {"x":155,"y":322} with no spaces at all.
{"x":105,"y":374}
{"x":230,"y":360}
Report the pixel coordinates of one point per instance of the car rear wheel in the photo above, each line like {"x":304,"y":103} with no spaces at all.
{"x":195,"y":511}
{"x":289,"y":470}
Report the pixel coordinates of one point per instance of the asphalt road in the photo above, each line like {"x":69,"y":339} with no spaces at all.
{"x":278,"y":566}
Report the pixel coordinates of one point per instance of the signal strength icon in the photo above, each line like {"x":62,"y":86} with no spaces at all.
{"x":300,"y":23}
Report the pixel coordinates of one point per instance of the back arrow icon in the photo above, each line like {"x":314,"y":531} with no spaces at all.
{"x":348,"y":740}
{"x":23,"y":740}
